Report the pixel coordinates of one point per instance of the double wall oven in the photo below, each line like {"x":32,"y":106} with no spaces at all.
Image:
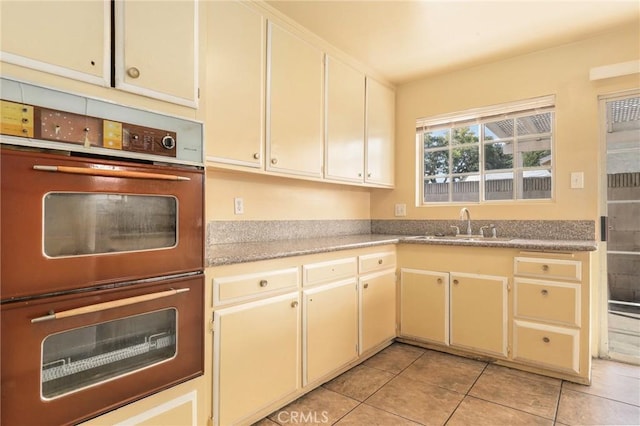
{"x":102,"y":254}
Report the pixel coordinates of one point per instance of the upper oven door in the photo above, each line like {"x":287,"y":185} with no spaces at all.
{"x":71,"y":223}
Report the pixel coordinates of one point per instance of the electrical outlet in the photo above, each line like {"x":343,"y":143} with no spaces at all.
{"x":401,"y":210}
{"x":577,"y":180}
{"x":238,"y":205}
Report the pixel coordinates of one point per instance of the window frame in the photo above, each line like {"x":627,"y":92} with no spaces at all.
{"x":479,"y":117}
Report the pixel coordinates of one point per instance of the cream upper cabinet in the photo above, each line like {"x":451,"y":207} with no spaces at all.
{"x":380,"y":134}
{"x":294,"y":104}
{"x":71,"y":39}
{"x":156,"y":49}
{"x":235,"y":112}
{"x":424,"y":305}
{"x":330,"y":328}
{"x":345,"y":101}
{"x":479,"y":313}
{"x":256,"y":356}
{"x":377,"y":309}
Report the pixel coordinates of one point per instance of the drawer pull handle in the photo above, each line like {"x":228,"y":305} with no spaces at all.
{"x":294,"y":304}
{"x":366,"y":285}
{"x":546,"y":339}
{"x":256,"y":156}
{"x":439,"y":281}
{"x":545,"y":268}
{"x":456,"y":282}
{"x":263,"y":283}
{"x":380,"y":262}
{"x":544,"y":292}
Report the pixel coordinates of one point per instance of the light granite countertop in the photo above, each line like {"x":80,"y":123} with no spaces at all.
{"x":226,"y":254}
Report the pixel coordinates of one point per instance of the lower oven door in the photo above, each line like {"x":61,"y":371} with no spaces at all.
{"x":69,"y":358}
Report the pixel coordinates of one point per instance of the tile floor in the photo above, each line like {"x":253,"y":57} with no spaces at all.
{"x":407,"y":385}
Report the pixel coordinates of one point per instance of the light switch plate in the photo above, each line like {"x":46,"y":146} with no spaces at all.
{"x":577,"y":180}
{"x":401,"y":210}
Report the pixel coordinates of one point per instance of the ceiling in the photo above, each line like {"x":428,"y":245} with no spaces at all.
{"x":406,"y":40}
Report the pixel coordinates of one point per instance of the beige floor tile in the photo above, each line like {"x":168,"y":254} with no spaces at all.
{"x":320,"y":406}
{"x":473,"y":411}
{"x":613,"y":380}
{"x":577,"y":408}
{"x":448,"y":371}
{"x":360,"y":382}
{"x":366,"y":415}
{"x":395,"y":358}
{"x":421,"y":402}
{"x":524,"y":391}
{"x":265,"y":422}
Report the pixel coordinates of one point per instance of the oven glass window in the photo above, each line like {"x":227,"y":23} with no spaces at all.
{"x":82,"y":357}
{"x":77,"y":224}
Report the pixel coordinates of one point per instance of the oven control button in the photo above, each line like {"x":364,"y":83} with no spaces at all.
{"x":168,"y":142}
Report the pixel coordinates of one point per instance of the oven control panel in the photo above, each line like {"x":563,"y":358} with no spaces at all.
{"x":31,"y":121}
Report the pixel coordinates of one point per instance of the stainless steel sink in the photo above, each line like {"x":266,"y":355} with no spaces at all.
{"x":460,"y":238}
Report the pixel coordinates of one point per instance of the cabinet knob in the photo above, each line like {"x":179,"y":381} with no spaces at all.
{"x":544,"y":292}
{"x":366,"y":285}
{"x":274,"y":161}
{"x":546,"y":339}
{"x":369,"y":174}
{"x":456,"y":282}
{"x":294,"y":304}
{"x":133,"y":72}
{"x":380,"y":262}
{"x":359,"y":174}
{"x":256,"y":155}
{"x":545,"y":268}
{"x":439,"y":280}
{"x":263,"y":283}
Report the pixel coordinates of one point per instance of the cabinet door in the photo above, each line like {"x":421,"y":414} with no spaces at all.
{"x":380,"y":134}
{"x":479,"y":313}
{"x":235,"y":84}
{"x":71,"y":39}
{"x":345,"y":122}
{"x":424,"y":305}
{"x":294,"y":98}
{"x":377,"y":309}
{"x":330,"y":328}
{"x":157,"y":49}
{"x":256,"y":356}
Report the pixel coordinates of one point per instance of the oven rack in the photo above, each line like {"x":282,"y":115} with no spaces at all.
{"x":66,"y":367}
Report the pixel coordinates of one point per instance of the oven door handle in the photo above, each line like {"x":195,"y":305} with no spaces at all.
{"x":109,"y":305}
{"x":108,"y":172}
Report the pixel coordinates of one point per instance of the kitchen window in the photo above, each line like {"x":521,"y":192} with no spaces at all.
{"x":497,"y":153}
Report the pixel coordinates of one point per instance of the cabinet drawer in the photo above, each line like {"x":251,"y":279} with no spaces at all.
{"x":245,"y":286}
{"x":548,"y":268}
{"x":377,"y":261}
{"x":555,"y":347}
{"x":548,"y":301}
{"x":316,"y":273}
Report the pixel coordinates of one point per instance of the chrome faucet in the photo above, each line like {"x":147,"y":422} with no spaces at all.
{"x":465,"y":212}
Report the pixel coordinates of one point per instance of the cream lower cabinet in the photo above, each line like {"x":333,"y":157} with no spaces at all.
{"x":377,"y":309}
{"x":330,"y":328}
{"x":424,"y":305}
{"x":548,"y":309}
{"x":256,"y":356}
{"x":479,"y":313}
{"x":463,"y":310}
